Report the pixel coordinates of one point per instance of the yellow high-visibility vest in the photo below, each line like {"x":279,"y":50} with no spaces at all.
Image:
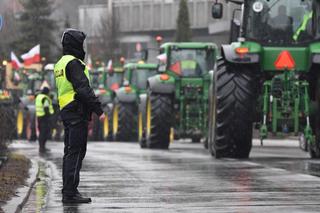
{"x":65,"y":89}
{"x":40,"y":105}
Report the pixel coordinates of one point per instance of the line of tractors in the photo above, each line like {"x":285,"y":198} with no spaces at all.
{"x":267,"y":78}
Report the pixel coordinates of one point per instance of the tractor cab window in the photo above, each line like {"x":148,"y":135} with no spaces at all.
{"x":140,"y":77}
{"x":282,"y":22}
{"x":114,"y":80}
{"x":191,"y":62}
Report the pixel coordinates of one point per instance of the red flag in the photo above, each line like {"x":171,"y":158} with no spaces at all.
{"x":33,"y":56}
{"x":16,"y":64}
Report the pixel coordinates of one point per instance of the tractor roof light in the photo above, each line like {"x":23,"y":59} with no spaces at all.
{"x":164,"y":77}
{"x":128,"y":89}
{"x":242,"y":50}
{"x":159,"y":39}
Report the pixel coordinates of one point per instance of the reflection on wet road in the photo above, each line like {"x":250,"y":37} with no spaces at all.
{"x":120,"y":177}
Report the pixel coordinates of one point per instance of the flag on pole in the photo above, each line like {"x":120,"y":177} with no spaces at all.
{"x":16,"y":64}
{"x":109,"y":66}
{"x":31,"y":57}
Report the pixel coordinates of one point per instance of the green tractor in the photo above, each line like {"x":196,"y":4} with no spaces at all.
{"x":130,"y":102}
{"x":268,"y":77}
{"x":177,"y":103}
{"x":105,"y":84}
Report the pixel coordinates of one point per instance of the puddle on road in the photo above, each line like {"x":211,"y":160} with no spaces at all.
{"x":38,"y":197}
{"x":41,"y":187}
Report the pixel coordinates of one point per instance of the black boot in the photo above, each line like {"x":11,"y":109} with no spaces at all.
{"x":77,"y":198}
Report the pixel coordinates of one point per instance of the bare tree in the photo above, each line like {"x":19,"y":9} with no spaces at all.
{"x":108,"y":42}
{"x":8,"y":34}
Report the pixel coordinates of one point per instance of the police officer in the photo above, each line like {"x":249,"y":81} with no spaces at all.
{"x":77,"y":101}
{"x":44,"y":110}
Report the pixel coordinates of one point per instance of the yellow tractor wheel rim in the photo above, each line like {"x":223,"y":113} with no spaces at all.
{"x":171,"y":135}
{"x":140,"y":126}
{"x":106,"y":127}
{"x":54,"y":133}
{"x":115,"y":119}
{"x":148,"y":126}
{"x":20,"y":122}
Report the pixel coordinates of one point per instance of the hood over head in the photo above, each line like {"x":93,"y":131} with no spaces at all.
{"x":72,"y":42}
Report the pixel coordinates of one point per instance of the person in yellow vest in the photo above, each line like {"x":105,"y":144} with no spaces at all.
{"x":77,"y":102}
{"x":44,"y":110}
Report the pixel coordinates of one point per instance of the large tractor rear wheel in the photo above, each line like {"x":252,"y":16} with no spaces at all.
{"x":232,"y":111}
{"x":159,"y":121}
{"x":125,"y":121}
{"x":314,"y":149}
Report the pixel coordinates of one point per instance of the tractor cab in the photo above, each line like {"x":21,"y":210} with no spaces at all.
{"x":137,"y":75}
{"x":114,"y":79}
{"x":274,"y":23}
{"x":187,"y":59}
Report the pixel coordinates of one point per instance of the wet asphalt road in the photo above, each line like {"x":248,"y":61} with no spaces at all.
{"x":121,"y":177}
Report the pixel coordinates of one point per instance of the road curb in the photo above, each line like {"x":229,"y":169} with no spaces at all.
{"x":17,"y":203}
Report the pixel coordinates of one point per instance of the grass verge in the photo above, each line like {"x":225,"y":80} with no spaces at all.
{"x":13,"y":174}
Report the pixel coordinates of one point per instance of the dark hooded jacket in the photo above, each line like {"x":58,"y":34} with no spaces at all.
{"x":85,"y":101}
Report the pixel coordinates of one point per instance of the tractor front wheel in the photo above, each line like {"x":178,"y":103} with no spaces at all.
{"x":232,"y":111}
{"x":159,"y":121}
{"x":125,"y":121}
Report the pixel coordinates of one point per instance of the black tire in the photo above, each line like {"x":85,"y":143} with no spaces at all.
{"x":161,"y":115}
{"x":127,"y":122}
{"x":232,"y":110}
{"x":205,"y":143}
{"x":196,"y":139}
{"x":109,"y":117}
{"x":314,"y":148}
{"x":142,"y":127}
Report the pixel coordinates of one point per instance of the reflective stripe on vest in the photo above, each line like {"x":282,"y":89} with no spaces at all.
{"x":40,"y":107}
{"x":65,"y":89}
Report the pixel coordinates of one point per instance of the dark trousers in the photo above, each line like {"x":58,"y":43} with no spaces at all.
{"x":75,"y":147}
{"x":44,"y":131}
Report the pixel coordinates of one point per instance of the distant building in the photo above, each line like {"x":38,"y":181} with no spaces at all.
{"x":140,"y":21}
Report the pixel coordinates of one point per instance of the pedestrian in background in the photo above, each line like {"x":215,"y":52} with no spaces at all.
{"x":44,"y":110}
{"x":77,"y":101}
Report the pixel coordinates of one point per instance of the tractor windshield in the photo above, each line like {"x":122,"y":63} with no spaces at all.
{"x":191,"y":62}
{"x":282,"y":22}
{"x":140,"y":77}
{"x":114,"y":80}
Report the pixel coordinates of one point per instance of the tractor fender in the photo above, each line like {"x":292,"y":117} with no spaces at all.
{"x":229,"y":54}
{"x":159,"y":86}
{"x":126,"y":97}
{"x":142,"y":102}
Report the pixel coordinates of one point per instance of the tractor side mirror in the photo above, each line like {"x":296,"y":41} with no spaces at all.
{"x":217,"y":10}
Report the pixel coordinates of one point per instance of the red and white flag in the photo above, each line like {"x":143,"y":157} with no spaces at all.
{"x":31,"y":57}
{"x":16,"y":64}
{"x":109,"y":66}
